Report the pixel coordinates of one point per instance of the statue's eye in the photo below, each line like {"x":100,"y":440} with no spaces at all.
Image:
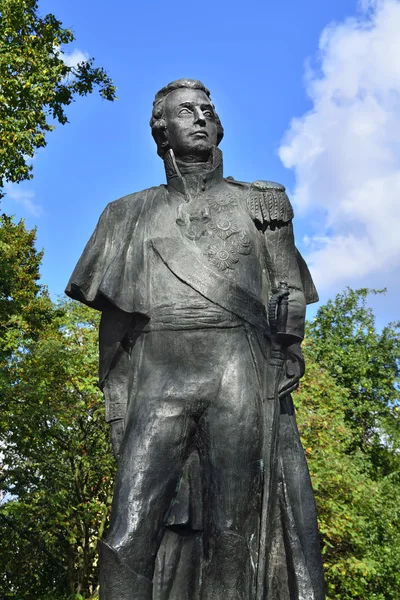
{"x":184,"y":111}
{"x":209,"y":114}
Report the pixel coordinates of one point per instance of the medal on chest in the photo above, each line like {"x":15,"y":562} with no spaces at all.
{"x":217,"y":229}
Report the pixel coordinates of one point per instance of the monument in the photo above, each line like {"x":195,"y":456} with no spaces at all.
{"x":203,"y":296}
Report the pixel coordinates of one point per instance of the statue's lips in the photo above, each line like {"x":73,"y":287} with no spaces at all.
{"x":202,"y":134}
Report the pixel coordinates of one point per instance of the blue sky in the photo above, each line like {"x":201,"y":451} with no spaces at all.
{"x":300,"y":103}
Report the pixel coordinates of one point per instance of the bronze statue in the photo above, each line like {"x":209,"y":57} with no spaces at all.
{"x":203,"y":296}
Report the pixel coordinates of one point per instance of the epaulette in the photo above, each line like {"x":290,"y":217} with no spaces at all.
{"x":267,"y":202}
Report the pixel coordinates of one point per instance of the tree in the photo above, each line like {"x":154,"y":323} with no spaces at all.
{"x":36,"y":84}
{"x":58,"y":467}
{"x":25,"y":306}
{"x":343,"y":338}
{"x":348,"y":415}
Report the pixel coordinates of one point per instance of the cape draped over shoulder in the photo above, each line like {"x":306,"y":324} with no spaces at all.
{"x":111,"y":266}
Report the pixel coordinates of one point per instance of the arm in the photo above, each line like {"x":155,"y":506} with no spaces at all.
{"x":115,"y":391}
{"x":119,"y":332}
{"x":270,"y":208}
{"x":282,"y":257}
{"x":114,"y":369}
{"x":283,"y":266}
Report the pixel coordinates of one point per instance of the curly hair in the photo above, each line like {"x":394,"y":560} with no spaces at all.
{"x":157,"y":121}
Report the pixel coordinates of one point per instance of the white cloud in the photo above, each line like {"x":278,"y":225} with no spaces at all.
{"x":75,"y":57}
{"x":23,"y":197}
{"x":346,"y":150}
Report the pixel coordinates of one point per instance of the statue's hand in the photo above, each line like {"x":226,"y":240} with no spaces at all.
{"x":117,"y":433}
{"x":278,"y":309}
{"x":293,"y":371}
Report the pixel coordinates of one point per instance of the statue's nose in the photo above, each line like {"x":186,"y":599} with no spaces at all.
{"x":199,"y":116}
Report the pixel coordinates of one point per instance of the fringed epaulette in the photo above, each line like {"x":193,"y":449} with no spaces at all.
{"x":267,"y":202}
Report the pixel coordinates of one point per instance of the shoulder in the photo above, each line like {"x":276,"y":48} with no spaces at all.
{"x":237,"y":184}
{"x":266,"y":201}
{"x":131,"y":204}
{"x":135,"y":199}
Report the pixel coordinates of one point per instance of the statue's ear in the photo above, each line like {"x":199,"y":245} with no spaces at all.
{"x":164,"y":140}
{"x":161,"y":139}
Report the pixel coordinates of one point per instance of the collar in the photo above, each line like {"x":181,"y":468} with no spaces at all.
{"x":193,"y":179}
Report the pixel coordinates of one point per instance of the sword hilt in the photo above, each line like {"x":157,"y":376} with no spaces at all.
{"x":278,"y":309}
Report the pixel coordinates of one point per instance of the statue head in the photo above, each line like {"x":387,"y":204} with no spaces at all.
{"x":184,"y":119}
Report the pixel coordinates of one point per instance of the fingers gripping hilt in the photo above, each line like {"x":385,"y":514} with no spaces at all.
{"x":278,"y":309}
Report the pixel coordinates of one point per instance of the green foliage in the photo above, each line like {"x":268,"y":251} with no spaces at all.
{"x":24,"y":303}
{"x":35,"y":83}
{"x":58,"y":466}
{"x":348,"y":415}
{"x":343,"y":338}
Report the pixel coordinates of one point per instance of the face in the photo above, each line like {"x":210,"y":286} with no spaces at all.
{"x":191,"y":124}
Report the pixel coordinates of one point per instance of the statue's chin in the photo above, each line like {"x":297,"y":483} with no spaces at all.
{"x":194,"y":155}
{"x":193,"y":158}
{"x":201,"y":151}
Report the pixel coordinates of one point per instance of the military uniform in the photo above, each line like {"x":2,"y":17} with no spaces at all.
{"x":183,"y":274}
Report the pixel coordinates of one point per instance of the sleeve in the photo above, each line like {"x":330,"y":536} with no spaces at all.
{"x":119,"y":350}
{"x":283,"y":266}
{"x":270,"y":208}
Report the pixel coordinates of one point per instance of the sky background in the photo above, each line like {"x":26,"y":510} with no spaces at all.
{"x":308,"y":93}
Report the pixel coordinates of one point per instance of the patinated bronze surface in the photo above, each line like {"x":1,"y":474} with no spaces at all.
{"x":203,"y":297}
